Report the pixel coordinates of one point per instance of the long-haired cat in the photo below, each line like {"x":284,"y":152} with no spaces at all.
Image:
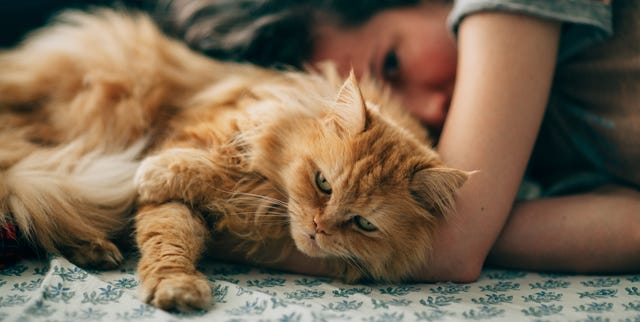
{"x":103,"y":119}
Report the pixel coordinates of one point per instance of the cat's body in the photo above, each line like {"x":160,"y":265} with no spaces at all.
{"x":103,"y":118}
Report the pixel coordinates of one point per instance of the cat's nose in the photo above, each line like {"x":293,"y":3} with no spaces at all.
{"x":319,"y":229}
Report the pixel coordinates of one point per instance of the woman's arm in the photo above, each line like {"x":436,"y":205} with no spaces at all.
{"x":591,"y":232}
{"x":505,"y":69}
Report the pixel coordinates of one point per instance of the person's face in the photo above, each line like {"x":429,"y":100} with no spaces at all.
{"x":410,"y":48}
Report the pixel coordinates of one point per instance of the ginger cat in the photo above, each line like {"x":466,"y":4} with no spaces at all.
{"x":104,"y":119}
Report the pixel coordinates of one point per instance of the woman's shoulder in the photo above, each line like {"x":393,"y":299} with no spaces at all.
{"x":586,"y":22}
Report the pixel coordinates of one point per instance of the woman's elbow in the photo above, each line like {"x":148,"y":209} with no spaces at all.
{"x":467,"y":273}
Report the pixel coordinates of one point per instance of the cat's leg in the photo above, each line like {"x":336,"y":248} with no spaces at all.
{"x":184,"y":174}
{"x":171,"y":239}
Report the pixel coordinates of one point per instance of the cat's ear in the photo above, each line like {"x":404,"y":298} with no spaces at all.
{"x":349,"y":112}
{"x":435,"y":188}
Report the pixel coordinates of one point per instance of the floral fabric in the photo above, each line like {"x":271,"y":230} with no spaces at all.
{"x":56,"y":290}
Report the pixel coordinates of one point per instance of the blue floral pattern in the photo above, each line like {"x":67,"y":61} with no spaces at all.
{"x":56,"y":290}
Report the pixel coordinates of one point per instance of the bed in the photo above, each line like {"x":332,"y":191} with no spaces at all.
{"x":56,"y":290}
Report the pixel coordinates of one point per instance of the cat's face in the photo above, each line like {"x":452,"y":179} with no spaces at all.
{"x":367,"y":191}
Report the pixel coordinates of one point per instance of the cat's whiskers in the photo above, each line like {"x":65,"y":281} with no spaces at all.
{"x":248,"y":207}
{"x":286,"y":196}
{"x":236,"y":196}
{"x":257,"y":200}
{"x":355,"y":263}
{"x":283,"y":193}
{"x":276,"y":220}
{"x":256,"y":196}
{"x":272,"y":215}
{"x":344,"y":254}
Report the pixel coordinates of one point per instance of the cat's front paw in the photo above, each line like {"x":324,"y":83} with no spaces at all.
{"x":175,"y":174}
{"x":155,"y":179}
{"x":182,"y":292}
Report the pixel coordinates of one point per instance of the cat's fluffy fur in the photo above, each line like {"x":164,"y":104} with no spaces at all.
{"x":103,"y":117}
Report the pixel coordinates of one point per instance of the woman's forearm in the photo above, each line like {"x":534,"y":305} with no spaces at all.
{"x":597,"y":232}
{"x":506,"y":63}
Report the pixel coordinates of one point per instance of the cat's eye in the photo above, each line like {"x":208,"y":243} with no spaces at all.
{"x":390,"y":69}
{"x":364,"y":224}
{"x":322,"y":183}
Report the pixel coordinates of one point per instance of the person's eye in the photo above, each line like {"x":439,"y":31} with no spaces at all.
{"x":391,"y":66}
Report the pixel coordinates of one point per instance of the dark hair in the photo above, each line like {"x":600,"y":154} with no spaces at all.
{"x":270,"y":33}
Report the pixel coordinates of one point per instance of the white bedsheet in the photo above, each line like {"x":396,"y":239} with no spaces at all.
{"x":56,"y":290}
